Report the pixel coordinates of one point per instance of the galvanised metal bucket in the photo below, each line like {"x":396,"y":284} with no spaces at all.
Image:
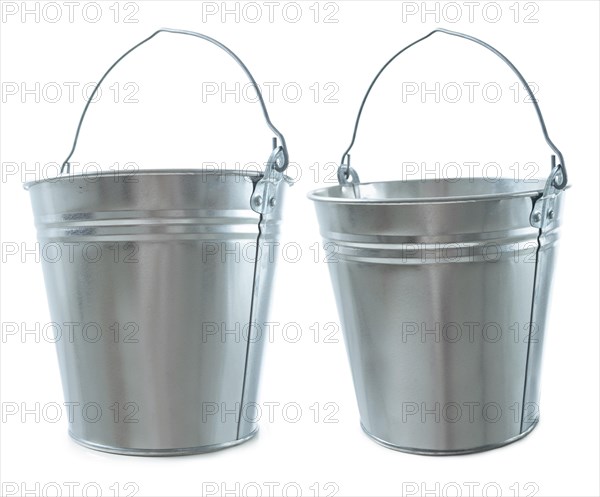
{"x":158,"y":283}
{"x":442,"y":289}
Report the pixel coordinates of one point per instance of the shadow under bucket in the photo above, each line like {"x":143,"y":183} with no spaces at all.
{"x":442,"y":289}
{"x":160,"y":284}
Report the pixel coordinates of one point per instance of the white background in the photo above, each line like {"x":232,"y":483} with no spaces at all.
{"x":171,"y":126}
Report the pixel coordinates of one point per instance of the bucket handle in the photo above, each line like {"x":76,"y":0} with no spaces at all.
{"x":348,"y":176}
{"x":279,"y":158}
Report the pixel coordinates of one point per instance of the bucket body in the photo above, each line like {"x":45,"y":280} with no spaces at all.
{"x":442,"y":290}
{"x":157,"y":291}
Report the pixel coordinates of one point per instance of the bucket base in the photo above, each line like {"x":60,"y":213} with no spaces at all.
{"x":186,"y":451}
{"x":428,"y":452}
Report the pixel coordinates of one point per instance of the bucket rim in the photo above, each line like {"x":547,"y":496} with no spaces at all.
{"x":254,"y":175}
{"x":536,"y":190}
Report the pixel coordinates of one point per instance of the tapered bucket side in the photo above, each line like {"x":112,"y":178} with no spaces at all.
{"x":152,"y":283}
{"x":435,"y":292}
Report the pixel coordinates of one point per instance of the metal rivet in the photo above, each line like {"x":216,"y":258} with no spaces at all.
{"x":550,"y":214}
{"x":258,"y":201}
{"x":537,"y":217}
{"x":272,"y":201}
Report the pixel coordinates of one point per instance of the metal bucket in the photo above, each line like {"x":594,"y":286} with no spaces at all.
{"x":159,"y":282}
{"x":442,"y":290}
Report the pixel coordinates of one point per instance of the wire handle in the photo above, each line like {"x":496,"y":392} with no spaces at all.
{"x":347,"y":175}
{"x":279,"y":166}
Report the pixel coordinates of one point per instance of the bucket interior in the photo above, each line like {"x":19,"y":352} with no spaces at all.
{"x":432,"y":190}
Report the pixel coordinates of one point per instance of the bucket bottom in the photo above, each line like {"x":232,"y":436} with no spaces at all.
{"x":186,"y":451}
{"x":428,"y":452}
